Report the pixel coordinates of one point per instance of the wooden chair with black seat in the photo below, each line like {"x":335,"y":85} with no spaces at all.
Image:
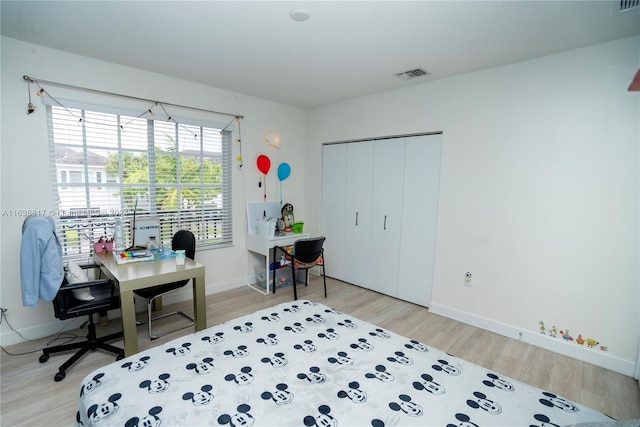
{"x":303,"y":255}
{"x":182,"y":240}
{"x":78,"y":296}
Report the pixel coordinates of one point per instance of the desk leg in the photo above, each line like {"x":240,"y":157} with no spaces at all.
{"x":129,"y":323}
{"x":272,"y":272}
{"x":199,"y":303}
{"x":266,"y":272}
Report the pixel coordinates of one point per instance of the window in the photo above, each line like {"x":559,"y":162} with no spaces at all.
{"x":106,"y":166}
{"x":75,"y":176}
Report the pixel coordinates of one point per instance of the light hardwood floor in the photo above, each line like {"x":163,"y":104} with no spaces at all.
{"x":29,"y":396}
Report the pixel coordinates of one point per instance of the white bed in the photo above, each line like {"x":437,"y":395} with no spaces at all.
{"x":303,"y":363}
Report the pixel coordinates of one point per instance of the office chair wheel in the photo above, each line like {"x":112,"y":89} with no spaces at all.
{"x":44,"y":358}
{"x":59,"y":376}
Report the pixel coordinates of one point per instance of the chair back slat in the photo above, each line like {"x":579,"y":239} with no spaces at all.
{"x":308,"y":250}
{"x":184,"y":239}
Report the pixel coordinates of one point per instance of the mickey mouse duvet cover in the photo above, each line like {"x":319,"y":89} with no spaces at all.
{"x":303,"y":363}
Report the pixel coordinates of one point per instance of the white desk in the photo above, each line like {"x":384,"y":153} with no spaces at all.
{"x":138,"y":275}
{"x":264,"y":247}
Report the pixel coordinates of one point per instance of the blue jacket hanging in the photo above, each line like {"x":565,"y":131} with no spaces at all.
{"x":41,"y":269}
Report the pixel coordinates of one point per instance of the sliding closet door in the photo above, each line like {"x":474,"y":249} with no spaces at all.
{"x":334,"y":177}
{"x":379,"y":214}
{"x":386,"y":215}
{"x":358,"y":212}
{"x":419,"y":218}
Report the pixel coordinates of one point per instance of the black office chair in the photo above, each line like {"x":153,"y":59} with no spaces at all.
{"x":304,"y":254}
{"x":66,"y":306}
{"x":186,"y":241}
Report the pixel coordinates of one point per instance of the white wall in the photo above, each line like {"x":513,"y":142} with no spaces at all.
{"x":538,"y":198}
{"x":25,"y":173}
{"x":538,"y":195}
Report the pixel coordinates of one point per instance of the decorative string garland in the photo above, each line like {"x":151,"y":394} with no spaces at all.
{"x":31,"y":107}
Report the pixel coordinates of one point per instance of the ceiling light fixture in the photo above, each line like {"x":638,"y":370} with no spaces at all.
{"x":299,"y":15}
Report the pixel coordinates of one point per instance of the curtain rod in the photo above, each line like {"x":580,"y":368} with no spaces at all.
{"x":101,"y":92}
{"x":378,"y":138}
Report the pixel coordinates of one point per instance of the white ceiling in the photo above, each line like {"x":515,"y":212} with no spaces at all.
{"x":346,"y":48}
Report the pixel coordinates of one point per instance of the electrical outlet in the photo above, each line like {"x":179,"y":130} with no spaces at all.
{"x":467,"y":279}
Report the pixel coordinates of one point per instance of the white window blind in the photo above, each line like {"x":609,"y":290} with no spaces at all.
{"x":108,"y":165}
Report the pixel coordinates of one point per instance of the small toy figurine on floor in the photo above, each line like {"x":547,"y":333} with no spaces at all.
{"x":553,"y":332}
{"x":542,"y":328}
{"x":566,"y":336}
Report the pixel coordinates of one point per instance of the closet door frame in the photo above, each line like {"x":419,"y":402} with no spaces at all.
{"x":353,"y":197}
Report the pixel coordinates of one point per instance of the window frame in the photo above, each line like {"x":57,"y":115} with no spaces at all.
{"x":212,"y":224}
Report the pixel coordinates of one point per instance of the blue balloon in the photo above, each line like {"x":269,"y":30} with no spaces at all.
{"x":283,"y":171}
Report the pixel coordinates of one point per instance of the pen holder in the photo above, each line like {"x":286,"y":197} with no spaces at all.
{"x":267,"y":229}
{"x":98,"y":247}
{"x":108,"y":246}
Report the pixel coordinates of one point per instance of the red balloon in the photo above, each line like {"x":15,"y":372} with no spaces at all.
{"x":264,"y":164}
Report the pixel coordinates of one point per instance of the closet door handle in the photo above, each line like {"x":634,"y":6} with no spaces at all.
{"x":385,"y":223}
{"x":356,"y":219}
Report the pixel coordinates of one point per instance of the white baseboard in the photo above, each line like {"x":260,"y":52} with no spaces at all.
{"x":39,"y":331}
{"x":55,"y":326}
{"x":590,"y":355}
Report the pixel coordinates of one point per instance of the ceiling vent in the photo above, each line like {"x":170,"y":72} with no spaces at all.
{"x":412,"y":74}
{"x":628,"y":5}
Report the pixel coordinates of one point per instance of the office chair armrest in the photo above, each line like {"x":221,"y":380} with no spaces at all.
{"x":66,"y":286}
{"x":89,"y":264}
